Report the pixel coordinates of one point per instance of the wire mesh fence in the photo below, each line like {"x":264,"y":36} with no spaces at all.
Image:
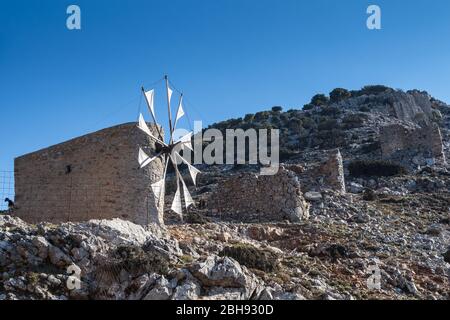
{"x":6,"y":188}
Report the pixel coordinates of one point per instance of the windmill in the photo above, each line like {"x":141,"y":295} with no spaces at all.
{"x":168,"y":152}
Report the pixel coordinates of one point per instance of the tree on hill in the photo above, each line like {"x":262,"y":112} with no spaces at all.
{"x":319,"y":100}
{"x":339,"y":94}
{"x":277,"y":109}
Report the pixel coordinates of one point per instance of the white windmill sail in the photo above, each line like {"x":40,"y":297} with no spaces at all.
{"x":177,"y":206}
{"x":166,"y":155}
{"x":144,"y":159}
{"x":150,"y":97}
{"x":188,"y":201}
{"x":193,"y":171}
{"x":180,"y":112}
{"x":144,"y":127}
{"x":186,"y":137}
{"x":169,"y":94}
{"x":187,"y":196}
{"x":186,"y":141}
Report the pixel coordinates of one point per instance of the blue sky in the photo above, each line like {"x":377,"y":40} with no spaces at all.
{"x":230,"y":57}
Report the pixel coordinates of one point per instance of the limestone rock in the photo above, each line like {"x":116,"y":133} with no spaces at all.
{"x":57,"y":257}
{"x":225,"y":272}
{"x":160,"y":291}
{"x":189,"y":290}
{"x":313,"y":196}
{"x":356,"y":187}
{"x":42,"y":246}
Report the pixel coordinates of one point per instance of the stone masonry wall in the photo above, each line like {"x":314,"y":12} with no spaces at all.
{"x":251,"y":197}
{"x":327,"y":172}
{"x":333,"y":171}
{"x":425,"y":142}
{"x":96,"y":176}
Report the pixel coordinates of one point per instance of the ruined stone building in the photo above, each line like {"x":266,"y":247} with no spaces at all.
{"x":96,"y":176}
{"x":418,"y":146}
{"x":252,"y":197}
{"x":327,"y":172}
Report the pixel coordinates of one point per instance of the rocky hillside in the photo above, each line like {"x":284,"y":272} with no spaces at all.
{"x":350,"y":120}
{"x":381,"y":202}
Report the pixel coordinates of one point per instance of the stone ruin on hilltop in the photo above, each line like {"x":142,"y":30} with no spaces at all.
{"x":253,"y":197}
{"x":328,"y":173}
{"x":412,"y":147}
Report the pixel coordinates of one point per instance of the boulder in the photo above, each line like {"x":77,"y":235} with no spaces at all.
{"x":58,"y":257}
{"x":313,"y":196}
{"x":161,"y":290}
{"x":226,"y":273}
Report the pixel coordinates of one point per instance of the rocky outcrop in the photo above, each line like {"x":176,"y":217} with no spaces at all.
{"x":39,"y":257}
{"x":412,"y":106}
{"x":225,"y":278}
{"x":111,"y":259}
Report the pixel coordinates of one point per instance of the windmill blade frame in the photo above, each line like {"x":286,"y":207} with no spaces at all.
{"x":144,"y":127}
{"x":151,"y":107}
{"x":186,"y":194}
{"x":177,"y":206}
{"x":144,"y":159}
{"x":168,"y":153}
{"x":180,"y":112}
{"x":193,"y":171}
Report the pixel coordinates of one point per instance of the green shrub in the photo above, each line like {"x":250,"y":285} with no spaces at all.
{"x":319,"y":100}
{"x":339,"y":94}
{"x":373,"y":89}
{"x":262,"y":115}
{"x":364,"y":109}
{"x":295,"y":124}
{"x":286,"y":154}
{"x":277,"y":109}
{"x":249,"y":117}
{"x":252,"y":257}
{"x":308,"y":106}
{"x":375,"y":169}
{"x":371,"y":147}
{"x":308,"y":123}
{"x":355,"y":120}
{"x":193,"y":217}
{"x":328,"y":139}
{"x":328,"y":124}
{"x":330,"y":111}
{"x":137,"y":260}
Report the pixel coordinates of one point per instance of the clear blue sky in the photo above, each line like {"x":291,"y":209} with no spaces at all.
{"x":230,"y":57}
